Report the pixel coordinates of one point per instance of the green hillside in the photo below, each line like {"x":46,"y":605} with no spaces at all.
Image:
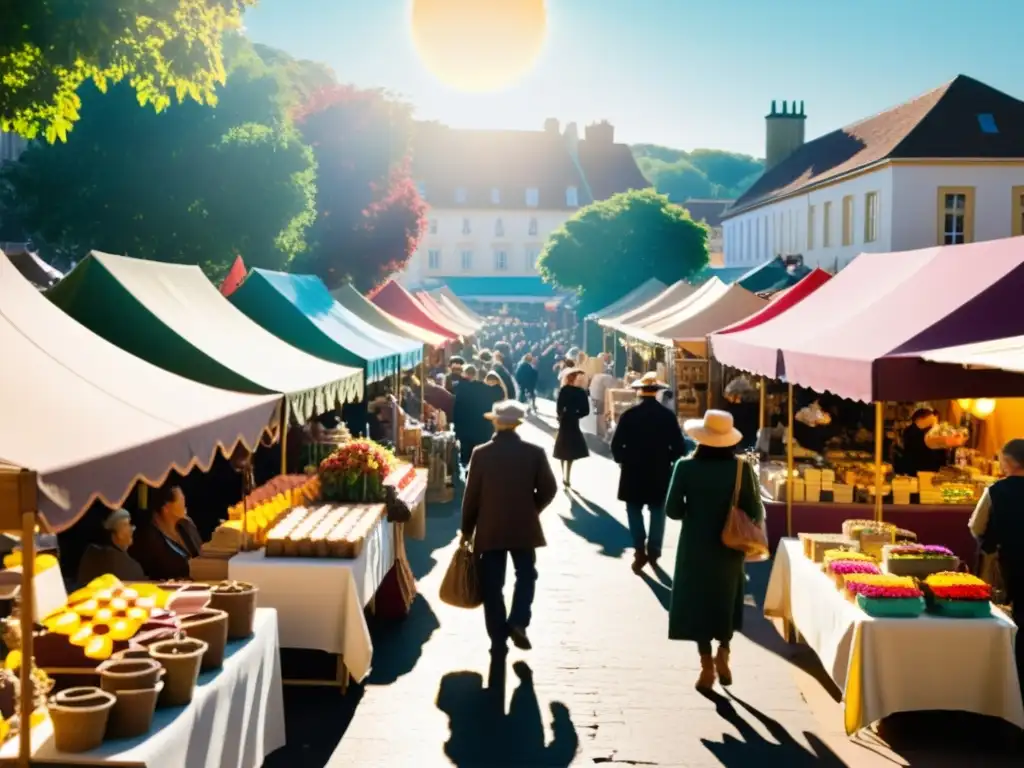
{"x":702,"y":173}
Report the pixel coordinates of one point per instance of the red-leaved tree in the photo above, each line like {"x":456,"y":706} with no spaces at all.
{"x":370,"y":216}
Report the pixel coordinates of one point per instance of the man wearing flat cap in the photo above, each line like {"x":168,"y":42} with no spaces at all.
{"x":646,"y":444}
{"x":510,"y":483}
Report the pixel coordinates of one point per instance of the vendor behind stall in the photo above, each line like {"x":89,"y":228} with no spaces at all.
{"x":111,"y":554}
{"x":917,"y":454}
{"x":164,"y":545}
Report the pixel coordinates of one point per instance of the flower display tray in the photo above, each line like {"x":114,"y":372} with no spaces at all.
{"x":891,"y":608}
{"x":918,"y":566}
{"x":961,"y":609}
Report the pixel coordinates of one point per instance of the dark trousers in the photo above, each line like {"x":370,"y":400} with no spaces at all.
{"x":493,"y":566}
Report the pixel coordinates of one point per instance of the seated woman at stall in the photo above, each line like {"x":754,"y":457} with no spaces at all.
{"x":169,"y":539}
{"x":110,"y":555}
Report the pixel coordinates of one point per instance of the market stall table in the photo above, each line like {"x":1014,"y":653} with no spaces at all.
{"x":884,"y":666}
{"x":236,"y":717}
{"x":321,"y":600}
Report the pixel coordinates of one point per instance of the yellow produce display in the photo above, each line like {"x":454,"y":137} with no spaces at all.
{"x":43,"y":562}
{"x":264,"y":512}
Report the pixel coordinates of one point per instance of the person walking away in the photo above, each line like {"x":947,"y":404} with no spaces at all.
{"x":526,"y":378}
{"x":646,"y":445}
{"x":572,"y":405}
{"x":494,"y":381}
{"x":998,"y":524}
{"x":473,"y":399}
{"x":454,"y":377}
{"x":502,"y":372}
{"x":709,"y":580}
{"x":510,"y":483}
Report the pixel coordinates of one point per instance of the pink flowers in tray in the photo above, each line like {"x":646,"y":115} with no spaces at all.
{"x":844,"y":567}
{"x":881,"y":585}
{"x":918,"y":551}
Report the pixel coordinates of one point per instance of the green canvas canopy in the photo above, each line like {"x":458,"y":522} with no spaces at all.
{"x":300,"y":310}
{"x":369,"y":312}
{"x":173,"y":317}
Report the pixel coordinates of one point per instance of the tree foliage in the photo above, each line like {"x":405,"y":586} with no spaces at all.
{"x":164,"y":49}
{"x":614,"y":245}
{"x":192,"y":185}
{"x":370,"y":217}
{"x":702,"y":173}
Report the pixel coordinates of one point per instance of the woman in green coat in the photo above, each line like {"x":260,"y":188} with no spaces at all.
{"x":708,"y":585}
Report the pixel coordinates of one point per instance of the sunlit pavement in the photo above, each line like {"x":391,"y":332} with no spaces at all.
{"x":602,"y":685}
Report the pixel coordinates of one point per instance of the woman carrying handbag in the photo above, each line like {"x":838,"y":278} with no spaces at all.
{"x":707,"y":491}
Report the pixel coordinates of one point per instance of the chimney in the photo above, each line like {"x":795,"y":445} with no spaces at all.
{"x":572,"y":141}
{"x":600,"y":133}
{"x":784,"y":132}
{"x":551,"y":126}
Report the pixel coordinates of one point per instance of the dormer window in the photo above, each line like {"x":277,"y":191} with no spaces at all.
{"x":499,"y":228}
{"x":466,"y":229}
{"x":987,"y":122}
{"x":495,"y":196}
{"x":532,"y":197}
{"x":572,"y":197}
{"x":533,"y":226}
{"x":460,"y":194}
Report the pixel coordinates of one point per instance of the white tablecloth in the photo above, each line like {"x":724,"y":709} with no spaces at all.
{"x":885,"y":666}
{"x":321,"y":600}
{"x":234,"y":721}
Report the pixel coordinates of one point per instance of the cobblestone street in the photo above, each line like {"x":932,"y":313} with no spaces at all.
{"x":603,"y":684}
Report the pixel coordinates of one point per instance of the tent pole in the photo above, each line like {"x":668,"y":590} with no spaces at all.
{"x":763,"y":405}
{"x":789,"y":463}
{"x":879,"y":477}
{"x":423,"y":387}
{"x":27,"y":620}
{"x":284,"y":438}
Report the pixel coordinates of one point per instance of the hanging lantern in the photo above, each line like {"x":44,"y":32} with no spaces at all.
{"x":983,"y":407}
{"x":965,"y":403}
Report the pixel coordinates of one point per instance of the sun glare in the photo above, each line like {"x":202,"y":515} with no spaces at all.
{"x":479,"y":45}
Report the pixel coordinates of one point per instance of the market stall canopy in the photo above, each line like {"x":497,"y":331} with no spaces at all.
{"x":32,"y":268}
{"x":300,"y":310}
{"x":91,"y":419}
{"x":859,"y":335}
{"x":443,"y":316}
{"x":362,"y":307}
{"x":773,"y":275}
{"x":449,"y":294}
{"x":670,"y":297}
{"x":172,"y":316}
{"x":1000,"y":354}
{"x":713,"y":287}
{"x":643,"y":293}
{"x":395,"y":300}
{"x":782,"y":301}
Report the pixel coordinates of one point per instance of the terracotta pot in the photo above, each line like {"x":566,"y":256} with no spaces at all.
{"x":132,"y":713}
{"x":181,"y":658}
{"x":129,"y":674}
{"x":210,"y":626}
{"x":132,"y":653}
{"x":186,"y":596}
{"x":79,"y":718}
{"x":238,"y":600}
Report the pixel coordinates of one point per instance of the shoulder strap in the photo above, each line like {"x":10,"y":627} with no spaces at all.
{"x":739,"y":483}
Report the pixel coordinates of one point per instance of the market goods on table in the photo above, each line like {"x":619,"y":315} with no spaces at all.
{"x":337,"y":531}
{"x":957,"y":595}
{"x":817,"y":544}
{"x":917,"y":559}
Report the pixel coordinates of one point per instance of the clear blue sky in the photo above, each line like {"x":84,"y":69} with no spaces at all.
{"x":684,"y":73}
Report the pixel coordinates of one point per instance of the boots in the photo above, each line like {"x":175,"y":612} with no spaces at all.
{"x":722,"y":666}
{"x":639,"y":561}
{"x":706,"y":681}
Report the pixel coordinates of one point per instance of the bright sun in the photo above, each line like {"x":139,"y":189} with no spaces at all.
{"x":479,"y":45}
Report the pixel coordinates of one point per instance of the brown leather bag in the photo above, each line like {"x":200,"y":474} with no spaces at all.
{"x":740,"y":532}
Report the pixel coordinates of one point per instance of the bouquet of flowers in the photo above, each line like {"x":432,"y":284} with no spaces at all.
{"x":355,"y":472}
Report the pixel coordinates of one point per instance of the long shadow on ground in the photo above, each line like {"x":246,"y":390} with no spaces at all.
{"x":594,"y":524}
{"x":483,"y":735}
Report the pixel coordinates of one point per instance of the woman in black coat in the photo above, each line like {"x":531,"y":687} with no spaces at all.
{"x":573,"y":404}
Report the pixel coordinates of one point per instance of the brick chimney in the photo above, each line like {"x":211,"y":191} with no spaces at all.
{"x":600,"y":133}
{"x":784,"y":132}
{"x":552,"y":126}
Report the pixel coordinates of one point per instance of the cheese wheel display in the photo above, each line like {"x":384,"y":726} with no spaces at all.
{"x":331,"y":531}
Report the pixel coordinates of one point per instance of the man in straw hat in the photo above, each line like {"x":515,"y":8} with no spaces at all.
{"x":510,"y":483}
{"x":646,"y":444}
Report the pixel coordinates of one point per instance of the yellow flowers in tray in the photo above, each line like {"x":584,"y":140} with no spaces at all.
{"x":832,"y":555}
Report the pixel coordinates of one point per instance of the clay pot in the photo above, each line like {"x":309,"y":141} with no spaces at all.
{"x":186,"y":596}
{"x":79,"y":718}
{"x":210,"y":626}
{"x":181,"y":658}
{"x":132,"y":713}
{"x":129,"y":674}
{"x":132,"y":653}
{"x":238,"y":600}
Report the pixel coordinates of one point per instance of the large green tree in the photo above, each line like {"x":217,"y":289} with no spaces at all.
{"x":193,"y":184}
{"x":165,"y":50}
{"x":614,"y":245}
{"x":702,"y":173}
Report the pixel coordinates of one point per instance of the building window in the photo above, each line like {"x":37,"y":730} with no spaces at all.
{"x":572,"y":197}
{"x":532,"y":197}
{"x":1018,"y":211}
{"x":433,"y":226}
{"x":433,"y":259}
{"x":848,"y":220}
{"x":501,"y":261}
{"x":467,"y":261}
{"x":495,"y":195}
{"x":826,"y":225}
{"x":466,"y":229}
{"x":955,"y":215}
{"x":870,"y":217}
{"x":422,"y":189}
{"x":987,"y":123}
{"x":499,"y":228}
{"x":532,"y":254}
{"x":810,"y":228}
{"x":532,"y":229}
{"x":460,"y":194}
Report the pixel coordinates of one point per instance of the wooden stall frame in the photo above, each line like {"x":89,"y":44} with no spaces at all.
{"x":763,"y":404}
{"x":879,"y":475}
{"x":789,"y":461}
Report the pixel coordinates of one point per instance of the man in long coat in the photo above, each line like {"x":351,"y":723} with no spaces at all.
{"x":510,"y":483}
{"x":646,"y":444}
{"x":473,"y":400}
